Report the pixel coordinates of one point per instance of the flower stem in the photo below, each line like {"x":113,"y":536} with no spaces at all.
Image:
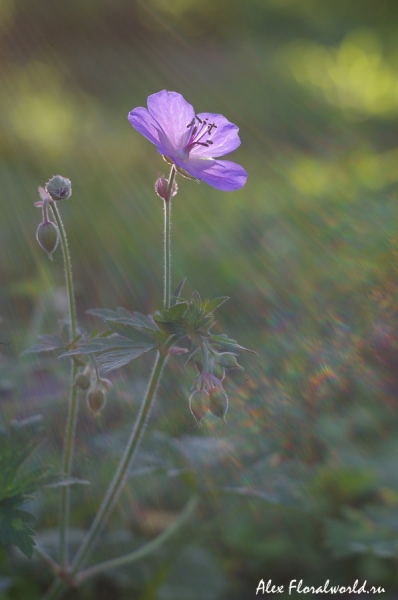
{"x":51,"y":563}
{"x":73,"y":400}
{"x":121,"y":474}
{"x":167,"y":241}
{"x":68,"y":269}
{"x":144,"y":550}
{"x":205,"y":354}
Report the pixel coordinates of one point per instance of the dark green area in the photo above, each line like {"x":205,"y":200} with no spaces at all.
{"x":302,"y":483}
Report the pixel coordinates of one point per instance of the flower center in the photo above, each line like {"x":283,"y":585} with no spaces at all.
{"x":199,"y":131}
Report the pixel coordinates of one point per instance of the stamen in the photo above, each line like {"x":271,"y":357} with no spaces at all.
{"x":198,"y":132}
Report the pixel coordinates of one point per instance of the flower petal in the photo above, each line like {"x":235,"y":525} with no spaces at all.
{"x":142,"y":121}
{"x":224,"y":137}
{"x":172,"y":114}
{"x":222,"y":174}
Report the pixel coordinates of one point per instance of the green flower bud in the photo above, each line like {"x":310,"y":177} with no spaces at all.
{"x":82,"y":381}
{"x":59,"y":188}
{"x":218,"y":403}
{"x":47,"y":235}
{"x":106,"y":384}
{"x":198,"y":404}
{"x":228,"y":360}
{"x":96,"y":400}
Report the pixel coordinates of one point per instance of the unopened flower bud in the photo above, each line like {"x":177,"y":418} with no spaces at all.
{"x":228,"y":360}
{"x":218,"y":403}
{"x":106,"y":384}
{"x":59,"y":188}
{"x":161,"y":188}
{"x":199,"y":404}
{"x":96,"y":400}
{"x":47,"y":235}
{"x":82,"y":381}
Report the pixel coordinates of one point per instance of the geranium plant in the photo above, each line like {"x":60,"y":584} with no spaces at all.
{"x":191,"y":144}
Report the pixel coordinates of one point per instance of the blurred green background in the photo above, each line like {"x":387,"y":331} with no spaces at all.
{"x":307,"y":251}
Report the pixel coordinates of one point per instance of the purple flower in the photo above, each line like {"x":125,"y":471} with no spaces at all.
{"x":192,"y":142}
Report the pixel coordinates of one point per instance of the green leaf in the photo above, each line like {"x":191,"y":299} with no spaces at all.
{"x":46,"y":343}
{"x":175,"y":312}
{"x":211,"y":305}
{"x":110,"y":343}
{"x":222,"y":340}
{"x":127,"y":329}
{"x":160,"y":337}
{"x":104,"y":313}
{"x":109,"y":361}
{"x":13,"y":526}
{"x":170,"y":327}
{"x":178,"y":290}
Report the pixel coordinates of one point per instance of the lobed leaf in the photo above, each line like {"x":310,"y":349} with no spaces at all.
{"x":211,"y":305}
{"x":109,"y":361}
{"x":109,"y":343}
{"x":46,"y":343}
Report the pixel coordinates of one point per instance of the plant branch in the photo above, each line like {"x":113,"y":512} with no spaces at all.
{"x":167,"y":240}
{"x":73,"y":400}
{"x":144,"y":550}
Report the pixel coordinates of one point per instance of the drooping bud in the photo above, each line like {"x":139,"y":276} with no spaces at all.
{"x":218,"y":403}
{"x":59,"y":188}
{"x":199,"y":405}
{"x":162,"y":187}
{"x":96,"y":400}
{"x":228,"y":360}
{"x":106,"y":384}
{"x":47,"y":235}
{"x":82,"y":381}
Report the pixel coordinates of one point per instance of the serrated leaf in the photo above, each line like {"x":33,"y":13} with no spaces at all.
{"x":160,"y":337}
{"x":25,"y":543}
{"x":46,"y":343}
{"x":169,"y":327}
{"x":206,"y":323}
{"x":145,"y":320}
{"x":223,"y":340}
{"x":104,"y":313}
{"x":196,"y":302}
{"x":212,"y":305}
{"x":175,"y":312}
{"x":110,"y":343}
{"x":127,"y":330}
{"x":109,"y":361}
{"x":178,"y":290}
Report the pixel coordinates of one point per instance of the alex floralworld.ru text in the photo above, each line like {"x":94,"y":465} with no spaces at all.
{"x":326,"y":588}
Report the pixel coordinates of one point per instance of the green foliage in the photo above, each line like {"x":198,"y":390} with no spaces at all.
{"x":17,"y":484}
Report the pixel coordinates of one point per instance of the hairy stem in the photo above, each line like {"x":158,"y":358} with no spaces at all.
{"x":121,"y":474}
{"x":205,"y":354}
{"x":144,"y":550}
{"x":73,"y":399}
{"x":167,"y":241}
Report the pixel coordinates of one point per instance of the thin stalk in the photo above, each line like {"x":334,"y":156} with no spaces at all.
{"x":144,"y":550}
{"x":51,"y":563}
{"x":68,"y":269}
{"x":73,"y":399}
{"x":121,"y":474}
{"x":205,"y":354}
{"x":167,"y":240}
